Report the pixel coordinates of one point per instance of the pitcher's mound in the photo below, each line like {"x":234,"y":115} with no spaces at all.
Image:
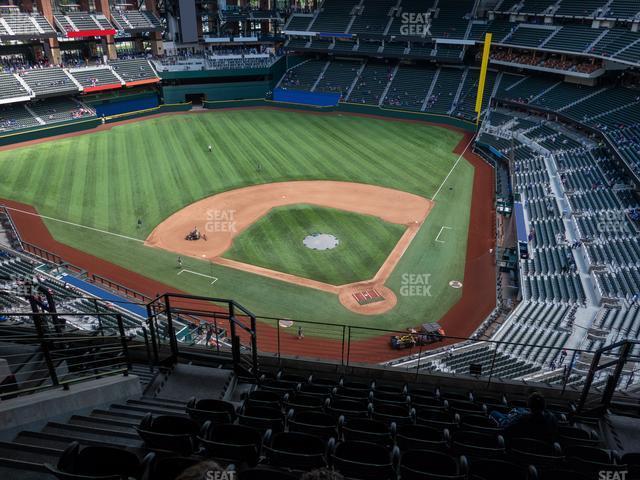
{"x":321,"y":241}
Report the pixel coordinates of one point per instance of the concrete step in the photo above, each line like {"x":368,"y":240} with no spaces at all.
{"x":112,"y":424}
{"x":18,"y":454}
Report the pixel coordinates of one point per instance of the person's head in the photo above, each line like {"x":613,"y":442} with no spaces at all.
{"x":536,"y":402}
{"x":322,"y":474}
{"x":201,"y":471}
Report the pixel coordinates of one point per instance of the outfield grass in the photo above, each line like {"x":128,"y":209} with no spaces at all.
{"x":155,"y":167}
{"x":276,"y":242}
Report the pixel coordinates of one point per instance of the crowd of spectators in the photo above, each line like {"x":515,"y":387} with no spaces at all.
{"x":556,"y":62}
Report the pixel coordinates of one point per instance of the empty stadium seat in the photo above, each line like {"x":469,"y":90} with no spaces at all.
{"x":313,"y":422}
{"x":232,"y":443}
{"x":365,"y":461}
{"x":169,"y":432}
{"x":215,"y":411}
{"x":93,"y":463}
{"x":295,"y":450}
{"x":430,"y":465}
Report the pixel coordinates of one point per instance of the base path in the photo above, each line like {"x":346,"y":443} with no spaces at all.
{"x":224,"y":216}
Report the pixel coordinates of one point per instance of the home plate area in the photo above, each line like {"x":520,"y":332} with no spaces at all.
{"x":366,"y":297}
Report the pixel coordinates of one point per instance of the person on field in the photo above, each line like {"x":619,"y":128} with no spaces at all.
{"x":139,"y":223}
{"x":210,"y":148}
{"x":179,"y":262}
{"x":300,"y":333}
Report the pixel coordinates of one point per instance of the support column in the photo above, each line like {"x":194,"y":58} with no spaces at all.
{"x":51,"y":46}
{"x":108,"y":42}
{"x":265,"y":25}
{"x":109,"y":47}
{"x":157,"y":49}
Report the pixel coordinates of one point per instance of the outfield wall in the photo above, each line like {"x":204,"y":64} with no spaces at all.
{"x":74,"y":126}
{"x":347,"y":108}
{"x":315,"y":99}
{"x":216,"y":91}
{"x":49,"y":131}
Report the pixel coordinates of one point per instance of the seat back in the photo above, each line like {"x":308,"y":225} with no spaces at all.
{"x":491,"y":469}
{"x":363,"y":460}
{"x":262,"y":418}
{"x":168,"y":432}
{"x":367,"y":430}
{"x":168,"y":468}
{"x":89,"y":463}
{"x":427,"y":464}
{"x":479,"y":445}
{"x":297,"y":451}
{"x":215,"y":411}
{"x":313,"y":423}
{"x":420,"y":437}
{"x":231,"y":443}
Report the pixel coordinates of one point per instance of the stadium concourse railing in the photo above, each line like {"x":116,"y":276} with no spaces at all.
{"x":42,"y":351}
{"x":345,"y":107}
{"x":253,"y":339}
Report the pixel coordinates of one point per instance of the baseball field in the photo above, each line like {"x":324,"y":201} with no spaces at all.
{"x":106,"y":192}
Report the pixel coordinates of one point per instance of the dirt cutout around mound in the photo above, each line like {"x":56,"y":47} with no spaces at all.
{"x":224,"y":216}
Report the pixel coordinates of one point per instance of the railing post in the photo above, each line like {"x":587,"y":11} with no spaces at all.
{"x":123,"y":340}
{"x":254,"y":346}
{"x":153,"y":332}
{"x":46,"y":352}
{"x":278,"y":339}
{"x":148,"y":348}
{"x":216,"y":332}
{"x":589,"y":380}
{"x":493,"y":363}
{"x":95,"y":306}
{"x":611,"y":386}
{"x":418,"y":364}
{"x":342,"y":351}
{"x":173,"y":342}
{"x":349,"y":345}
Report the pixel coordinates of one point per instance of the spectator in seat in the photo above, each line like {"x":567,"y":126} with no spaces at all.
{"x":321,"y":474}
{"x":533,"y":422}
{"x":201,"y":471}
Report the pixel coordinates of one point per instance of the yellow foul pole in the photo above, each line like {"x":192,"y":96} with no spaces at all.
{"x":483,"y":74}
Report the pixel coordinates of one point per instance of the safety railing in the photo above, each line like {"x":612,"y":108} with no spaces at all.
{"x":179,"y":321}
{"x":42,"y":353}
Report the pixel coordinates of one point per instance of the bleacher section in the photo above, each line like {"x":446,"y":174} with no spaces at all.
{"x":49,"y":81}
{"x":409,"y":88}
{"x":338,"y":77}
{"x":78,"y":24}
{"x":96,"y":79}
{"x":134,"y":72}
{"x":334,"y":16}
{"x":11,"y":90}
{"x":303,"y":76}
{"x":528,"y":36}
{"x":60,"y":109}
{"x":371,"y":84}
{"x":16,"y":117}
{"x":444,"y":91}
{"x":136,"y":21}
{"x":452,"y":19}
{"x":22,"y":25}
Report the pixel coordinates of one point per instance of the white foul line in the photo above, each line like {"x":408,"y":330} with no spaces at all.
{"x":215,"y":279}
{"x":72,"y":224}
{"x":453,"y":168}
{"x":440,"y":232}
